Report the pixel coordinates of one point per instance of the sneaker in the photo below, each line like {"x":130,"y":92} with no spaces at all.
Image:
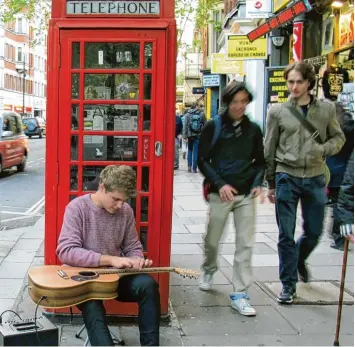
{"x":286,"y":296}
{"x":189,"y":169}
{"x":206,"y":282}
{"x":194,"y":170}
{"x":240,"y":302}
{"x":338,"y":247}
{"x":303,"y":272}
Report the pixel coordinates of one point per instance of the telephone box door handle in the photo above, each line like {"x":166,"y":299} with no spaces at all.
{"x":158,"y":148}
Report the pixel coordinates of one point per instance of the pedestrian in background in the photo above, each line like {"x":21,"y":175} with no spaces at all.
{"x":178,"y":136}
{"x":234,"y":168}
{"x":295,"y":170}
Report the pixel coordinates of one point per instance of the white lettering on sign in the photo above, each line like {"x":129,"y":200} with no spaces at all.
{"x":146,"y":149}
{"x":112,"y":7}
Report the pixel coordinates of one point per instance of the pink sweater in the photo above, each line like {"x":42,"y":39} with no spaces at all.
{"x":89,"y":231}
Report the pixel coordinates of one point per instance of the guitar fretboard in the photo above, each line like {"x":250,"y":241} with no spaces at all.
{"x":133,"y":271}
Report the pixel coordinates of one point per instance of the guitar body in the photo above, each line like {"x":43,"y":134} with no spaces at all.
{"x":60,"y":292}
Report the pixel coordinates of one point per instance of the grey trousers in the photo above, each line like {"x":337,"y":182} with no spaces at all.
{"x":243,"y":208}
{"x":177,"y":145}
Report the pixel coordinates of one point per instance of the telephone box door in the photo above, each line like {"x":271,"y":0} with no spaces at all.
{"x":111,"y":105}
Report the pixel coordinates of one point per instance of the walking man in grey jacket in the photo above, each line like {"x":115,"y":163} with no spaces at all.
{"x":295,"y":171}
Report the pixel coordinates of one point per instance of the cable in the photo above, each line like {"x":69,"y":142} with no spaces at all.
{"x":9,"y":311}
{"x":39,"y":301}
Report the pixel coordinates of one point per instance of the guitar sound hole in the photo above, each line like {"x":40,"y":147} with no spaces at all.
{"x":87,"y":273}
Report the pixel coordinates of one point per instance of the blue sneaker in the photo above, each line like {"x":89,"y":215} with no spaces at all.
{"x":240,"y":302}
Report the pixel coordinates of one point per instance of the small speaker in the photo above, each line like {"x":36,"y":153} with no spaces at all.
{"x":26,"y":333}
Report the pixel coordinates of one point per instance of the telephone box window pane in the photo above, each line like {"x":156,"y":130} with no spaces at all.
{"x":74,"y":117}
{"x":120,"y":148}
{"x":112,"y":55}
{"x":74,"y":148}
{"x":75,"y":86}
{"x":112,"y":86}
{"x":133,"y":203}
{"x":144,"y":209}
{"x":72,"y":197}
{"x":76,"y":55}
{"x":146,"y":117}
{"x":111,"y":117}
{"x":74,"y":178}
{"x":147,"y":87}
{"x":144,"y":238}
{"x":148,"y":50}
{"x":145,"y":179}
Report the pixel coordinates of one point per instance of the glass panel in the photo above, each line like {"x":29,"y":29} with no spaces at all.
{"x":72,"y":197}
{"x":120,"y":148}
{"x":145,"y":179}
{"x":148,"y":50}
{"x":144,"y":209}
{"x":73,"y":178}
{"x":76,"y":55}
{"x":112,"y":55}
{"x":147,"y":87}
{"x":133,"y":203}
{"x":74,"y":117}
{"x":146,"y":117}
{"x":74,"y":147}
{"x":112,"y":87}
{"x":111,"y":117}
{"x":144,"y":238}
{"x":75,"y":86}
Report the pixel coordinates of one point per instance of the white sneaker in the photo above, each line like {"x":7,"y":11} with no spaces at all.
{"x":243,"y":306}
{"x":206,"y":282}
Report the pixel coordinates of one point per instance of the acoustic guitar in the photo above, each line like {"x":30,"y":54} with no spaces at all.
{"x":65,"y":286}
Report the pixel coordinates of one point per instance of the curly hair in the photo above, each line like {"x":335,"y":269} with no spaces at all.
{"x":306,"y":70}
{"x":121,"y":178}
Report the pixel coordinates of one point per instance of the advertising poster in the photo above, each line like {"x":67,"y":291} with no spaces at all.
{"x":346,"y":28}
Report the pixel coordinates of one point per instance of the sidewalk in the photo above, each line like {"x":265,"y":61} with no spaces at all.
{"x":205,"y":318}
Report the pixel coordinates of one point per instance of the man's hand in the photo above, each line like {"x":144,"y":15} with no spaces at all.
{"x":179,"y":137}
{"x":271,"y":194}
{"x":227,"y":193}
{"x":347,"y":231}
{"x":122,"y":262}
{"x":140,"y":263}
{"x":258,"y":191}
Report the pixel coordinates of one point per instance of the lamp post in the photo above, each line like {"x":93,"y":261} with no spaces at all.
{"x":21,"y":68}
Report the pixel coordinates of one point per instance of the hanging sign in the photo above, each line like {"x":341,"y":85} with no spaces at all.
{"x":240,"y":48}
{"x":281,"y":18}
{"x":210,"y":81}
{"x":258,"y":9}
{"x":114,"y":7}
{"x":221,"y":65}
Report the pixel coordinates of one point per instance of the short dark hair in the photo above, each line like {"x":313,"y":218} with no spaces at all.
{"x":306,"y":70}
{"x":194,"y":105}
{"x":232,"y":89}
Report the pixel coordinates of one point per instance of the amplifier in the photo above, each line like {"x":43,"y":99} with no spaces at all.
{"x":23,"y":333}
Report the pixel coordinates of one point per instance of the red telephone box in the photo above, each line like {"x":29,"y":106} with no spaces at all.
{"x":111,"y":100}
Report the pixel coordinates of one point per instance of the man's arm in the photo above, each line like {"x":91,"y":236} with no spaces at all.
{"x":70,"y":249}
{"x":204,"y":150}
{"x":336,"y":137}
{"x":179,"y":127}
{"x":271,"y":143}
{"x":184,"y":130}
{"x":259,"y":158}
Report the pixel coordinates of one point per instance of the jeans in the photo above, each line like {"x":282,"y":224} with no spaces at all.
{"x":289,"y":191}
{"x":142,"y":289}
{"x":192,"y":144}
{"x":177,"y":146}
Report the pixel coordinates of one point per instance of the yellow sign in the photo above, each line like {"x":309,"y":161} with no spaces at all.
{"x":240,"y":48}
{"x":220,"y":65}
{"x":280,"y":4}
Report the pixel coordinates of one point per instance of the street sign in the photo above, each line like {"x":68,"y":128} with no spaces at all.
{"x":240,"y":48}
{"x":221,"y":65}
{"x":198,"y":90}
{"x":210,"y":81}
{"x":281,"y":18}
{"x":258,"y":9}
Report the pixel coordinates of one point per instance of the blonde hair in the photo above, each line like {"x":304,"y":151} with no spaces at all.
{"x":121,"y":178}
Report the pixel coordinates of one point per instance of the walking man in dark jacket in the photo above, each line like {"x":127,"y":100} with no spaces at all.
{"x":178,"y":136}
{"x":295,"y":167}
{"x":234,"y":168}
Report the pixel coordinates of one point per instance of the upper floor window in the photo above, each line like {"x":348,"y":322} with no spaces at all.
{"x":20,"y":54}
{"x":20,"y":25}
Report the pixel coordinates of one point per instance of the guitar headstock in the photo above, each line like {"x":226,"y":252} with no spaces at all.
{"x":187,"y":273}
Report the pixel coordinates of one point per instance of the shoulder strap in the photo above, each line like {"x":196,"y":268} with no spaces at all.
{"x":307,"y":125}
{"x":217,"y":130}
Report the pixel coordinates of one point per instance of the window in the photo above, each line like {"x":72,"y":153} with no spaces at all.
{"x":20,"y":25}
{"x":12,"y":123}
{"x":19,"y":54}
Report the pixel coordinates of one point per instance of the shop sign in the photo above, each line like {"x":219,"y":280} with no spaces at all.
{"x":258,"y":9}
{"x":327,"y":34}
{"x":280,"y":4}
{"x":7,"y":107}
{"x":18,"y":108}
{"x":198,"y":90}
{"x":281,"y":18}
{"x":240,"y":48}
{"x":113,"y":7}
{"x":210,"y":81}
{"x":297,"y":41}
{"x":221,"y":65}
{"x":346,"y":29}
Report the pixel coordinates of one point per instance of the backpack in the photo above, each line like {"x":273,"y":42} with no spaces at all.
{"x":196,"y":123}
{"x":216,"y":132}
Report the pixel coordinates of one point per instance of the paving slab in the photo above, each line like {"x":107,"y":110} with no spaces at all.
{"x":179,"y":229}
{"x":29,"y":244}
{"x":266,"y":273}
{"x":193,"y":261}
{"x":331,"y":272}
{"x":186,"y":238}
{"x":10,"y":288}
{"x":5,"y":247}
{"x":176,"y":280}
{"x":311,"y":293}
{"x":20,"y":256}
{"x":329,"y":259}
{"x":258,"y":248}
{"x":258,"y":260}
{"x":210,"y":321}
{"x":185,"y":249}
{"x":11,"y":270}
{"x":6,"y":304}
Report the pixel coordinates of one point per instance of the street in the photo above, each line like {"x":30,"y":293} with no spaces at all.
{"x":22,"y":194}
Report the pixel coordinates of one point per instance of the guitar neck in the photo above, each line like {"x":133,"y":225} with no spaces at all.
{"x":132,"y":271}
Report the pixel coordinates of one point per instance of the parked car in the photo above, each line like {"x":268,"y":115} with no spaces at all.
{"x":13,"y":142}
{"x":34,"y":126}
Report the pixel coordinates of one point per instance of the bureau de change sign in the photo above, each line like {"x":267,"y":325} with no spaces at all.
{"x":114,"y":7}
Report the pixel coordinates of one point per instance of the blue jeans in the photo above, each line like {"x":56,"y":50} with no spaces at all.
{"x":192,"y":152}
{"x":289,"y":191}
{"x":140,"y":288}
